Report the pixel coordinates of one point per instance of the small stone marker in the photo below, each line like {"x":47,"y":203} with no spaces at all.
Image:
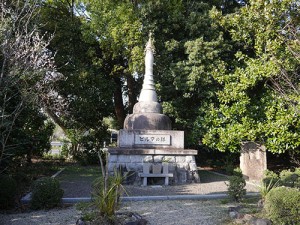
{"x":253,"y":161}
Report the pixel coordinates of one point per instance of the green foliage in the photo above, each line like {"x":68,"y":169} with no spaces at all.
{"x":84,"y":146}
{"x":289,"y":178}
{"x":247,"y":106}
{"x":8,"y":191}
{"x":46,"y":193}
{"x":236,"y":186}
{"x":237,"y":172}
{"x":270,"y":178}
{"x":106,"y":196}
{"x":282,"y":205}
{"x":267,"y":186}
{"x":29,"y":137}
{"x":87,"y":88}
{"x":229,"y":164}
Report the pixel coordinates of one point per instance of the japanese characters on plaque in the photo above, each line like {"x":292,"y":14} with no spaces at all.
{"x":152,"y":139}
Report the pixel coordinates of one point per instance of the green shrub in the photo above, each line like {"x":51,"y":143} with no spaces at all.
{"x":236,"y":186}
{"x":289,"y":178}
{"x":237,"y":172}
{"x":8,"y":190}
{"x":282,"y":205}
{"x":266,"y":187}
{"x":46,"y":193}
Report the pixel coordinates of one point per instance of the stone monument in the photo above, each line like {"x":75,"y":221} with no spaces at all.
{"x":253,"y":161}
{"x":147,"y":139}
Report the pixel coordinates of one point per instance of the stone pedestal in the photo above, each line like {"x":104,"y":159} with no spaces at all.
{"x":156,"y":147}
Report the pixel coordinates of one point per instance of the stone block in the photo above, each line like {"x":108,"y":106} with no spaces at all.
{"x":156,"y":168}
{"x":172,"y":167}
{"x":113,"y":158}
{"x":169,"y":159}
{"x":193,"y":166}
{"x":158,"y":158}
{"x":190,"y":159}
{"x":126,"y":138}
{"x":130,"y":177}
{"x":124,"y":158}
{"x":181,"y":176}
{"x":184,"y":166}
{"x":148,"y":159}
{"x":146,"y":167}
{"x":136,"y":158}
{"x":165,"y":168}
{"x":180,"y":159}
{"x":134,"y":166}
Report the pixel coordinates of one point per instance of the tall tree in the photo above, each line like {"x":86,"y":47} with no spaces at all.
{"x":84,"y":94}
{"x":248,"y":109}
{"x":122,"y":28}
{"x":26,"y":70}
{"x":118,"y":30}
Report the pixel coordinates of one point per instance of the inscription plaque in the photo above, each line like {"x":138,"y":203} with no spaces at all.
{"x":152,"y":139}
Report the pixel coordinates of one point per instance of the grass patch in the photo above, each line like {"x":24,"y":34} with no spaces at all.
{"x":76,"y":172}
{"x":208,"y":177}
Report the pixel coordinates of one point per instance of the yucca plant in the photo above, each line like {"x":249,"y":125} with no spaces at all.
{"x":266,"y":187}
{"x":107,"y":192}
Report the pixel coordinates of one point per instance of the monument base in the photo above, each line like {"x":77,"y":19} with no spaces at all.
{"x":181,"y":163}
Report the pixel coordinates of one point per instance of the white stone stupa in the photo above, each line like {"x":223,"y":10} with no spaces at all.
{"x":148,"y":137}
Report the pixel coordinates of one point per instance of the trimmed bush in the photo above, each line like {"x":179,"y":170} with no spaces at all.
{"x":8,"y":191}
{"x":282,"y":205}
{"x":46,"y":193}
{"x":236,"y":186}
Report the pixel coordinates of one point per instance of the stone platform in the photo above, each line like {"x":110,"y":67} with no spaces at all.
{"x":181,"y":162}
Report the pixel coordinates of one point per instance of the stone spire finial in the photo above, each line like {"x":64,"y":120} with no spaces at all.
{"x":150,"y":44}
{"x":148,"y":93}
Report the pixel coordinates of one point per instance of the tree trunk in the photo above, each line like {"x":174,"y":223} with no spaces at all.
{"x":29,"y":155}
{"x":131,"y":93}
{"x":118,"y":100}
{"x":56,"y":119}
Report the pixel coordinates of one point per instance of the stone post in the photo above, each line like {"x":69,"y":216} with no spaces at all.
{"x":253,"y":160}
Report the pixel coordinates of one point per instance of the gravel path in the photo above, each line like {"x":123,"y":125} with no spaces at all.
{"x":65,"y":216}
{"x":155,"y":212}
{"x":180,"y":212}
{"x":175,"y":212}
{"x":211,"y":183}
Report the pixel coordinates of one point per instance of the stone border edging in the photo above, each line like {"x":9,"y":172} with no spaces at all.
{"x":150,"y":198}
{"x":58,"y":172}
{"x":181,"y":197}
